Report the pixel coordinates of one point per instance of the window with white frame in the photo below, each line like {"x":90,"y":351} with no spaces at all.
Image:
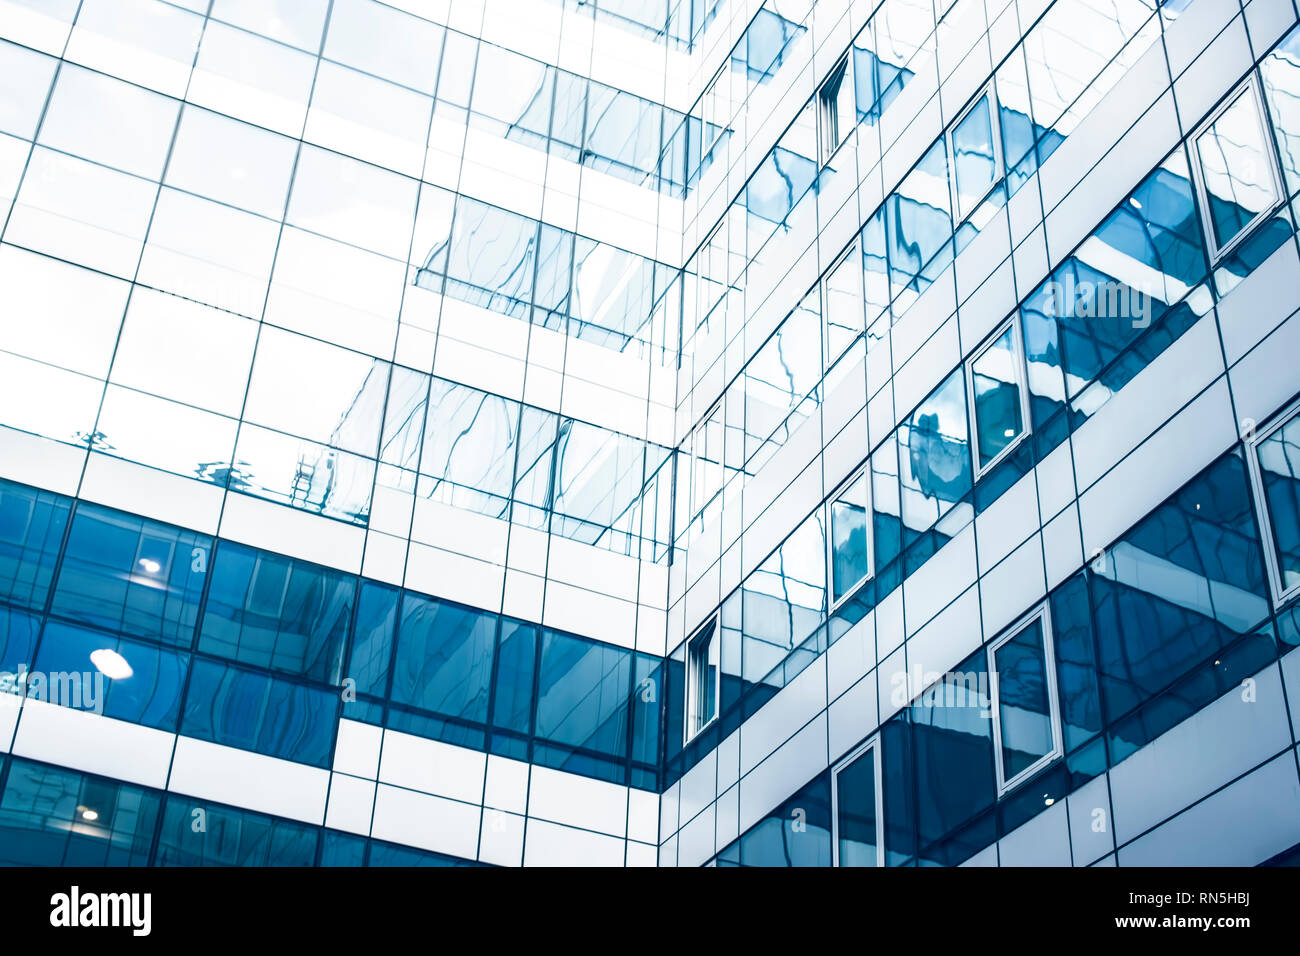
{"x":836,"y":110}
{"x":1235,"y":170}
{"x":842,"y":303}
{"x":703,"y":678}
{"x":857,"y":809}
{"x":1275,"y":473}
{"x":1026,"y":707}
{"x":706,"y":461}
{"x":999,"y":400}
{"x":849,"y":540}
{"x":976,"y":149}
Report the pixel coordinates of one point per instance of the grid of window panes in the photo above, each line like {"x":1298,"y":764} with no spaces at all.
{"x":283,"y":209}
{"x":1052,"y":367}
{"x":52,"y":816}
{"x":1115,"y":657}
{"x":255,"y":650}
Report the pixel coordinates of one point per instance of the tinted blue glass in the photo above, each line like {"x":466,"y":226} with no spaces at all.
{"x":149,"y":695}
{"x":583,"y":691}
{"x":132,"y":575}
{"x":856,"y":820}
{"x":372,"y":640}
{"x":239,"y":708}
{"x":277,"y":612}
{"x":1279,"y":468}
{"x":42,"y":820}
{"x":230,"y":837}
{"x":953,"y":737}
{"x":31,"y":529}
{"x":1076,"y":667}
{"x":1158,"y":614}
{"x":17,"y":641}
{"x":796,"y":833}
{"x":391,"y":854}
{"x":444,"y":658}
{"x":512,"y":703}
{"x":342,"y":849}
{"x":1023,"y":701}
{"x":647,"y":688}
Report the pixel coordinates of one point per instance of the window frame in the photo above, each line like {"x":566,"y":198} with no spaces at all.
{"x":1248,"y":87}
{"x":708,"y":106}
{"x":1022,"y":386}
{"x":1041,"y":613}
{"x":827,"y":117}
{"x":871,"y":743}
{"x":709,"y":628}
{"x":1281,"y":595}
{"x":862,"y":471}
{"x":829,"y":358}
{"x":995,"y":136}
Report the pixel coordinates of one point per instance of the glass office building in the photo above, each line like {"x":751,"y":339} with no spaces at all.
{"x":649,"y":432}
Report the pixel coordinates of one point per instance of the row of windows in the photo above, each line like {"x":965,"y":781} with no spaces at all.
{"x":255,"y":650}
{"x":323,"y":426}
{"x":989,"y":151}
{"x":405,"y":68}
{"x":994,"y":147}
{"x":677,"y":22}
{"x":1174,"y":615}
{"x":51,"y":816}
{"x":1052,"y":366}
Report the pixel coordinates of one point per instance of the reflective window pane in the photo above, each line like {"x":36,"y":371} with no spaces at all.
{"x":1024,"y":701}
{"x":1236,"y":171}
{"x":1279,"y":466}
{"x":857,"y":823}
{"x":132,"y":575}
{"x":850,"y":555}
{"x":996,"y":391}
{"x":974,"y":156}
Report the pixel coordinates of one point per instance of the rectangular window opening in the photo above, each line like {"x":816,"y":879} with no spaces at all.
{"x":703,"y":677}
{"x":1274,"y":459}
{"x":999,"y":399}
{"x":857,"y":809}
{"x":1025,"y":705}
{"x":1235,"y":170}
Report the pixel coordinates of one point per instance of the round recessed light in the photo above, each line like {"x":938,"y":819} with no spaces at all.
{"x":111,"y":664}
{"x":150,"y":565}
{"x":89,"y":814}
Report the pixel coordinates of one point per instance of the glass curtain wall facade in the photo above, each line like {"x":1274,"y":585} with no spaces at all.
{"x":706,"y":432}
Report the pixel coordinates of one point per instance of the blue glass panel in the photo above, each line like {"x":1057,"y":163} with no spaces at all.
{"x":391,"y":854}
{"x":444,"y":658}
{"x":1076,"y":667}
{"x":230,"y":837}
{"x":342,"y":849}
{"x":953,"y":737}
{"x":17,"y":643}
{"x":795,"y":833}
{"x":132,"y":575}
{"x":276,"y":612}
{"x":138,"y":682}
{"x":583,"y":691}
{"x":239,"y":708}
{"x":55,"y":817}
{"x":1279,"y":468}
{"x":372,"y":640}
{"x":31,"y":529}
{"x":512,"y":702}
